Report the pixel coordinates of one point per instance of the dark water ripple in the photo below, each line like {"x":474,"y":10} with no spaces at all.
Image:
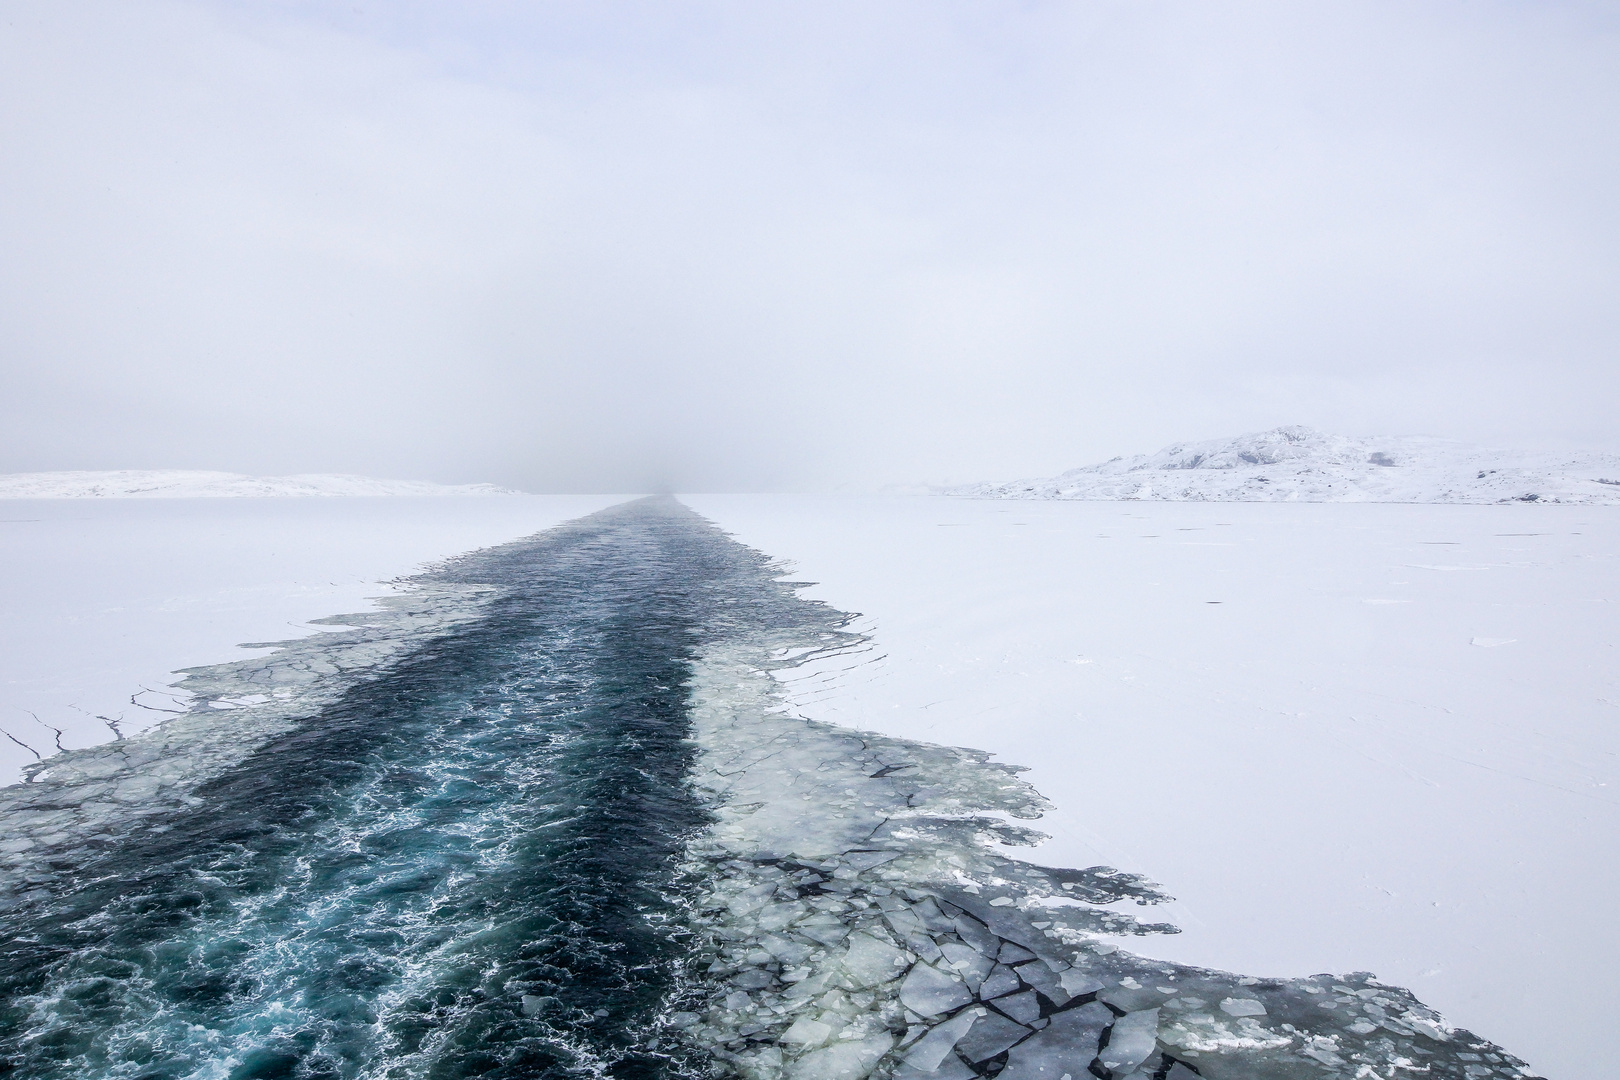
{"x":461,"y":869}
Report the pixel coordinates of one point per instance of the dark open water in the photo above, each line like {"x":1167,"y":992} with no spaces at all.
{"x":464,"y":868}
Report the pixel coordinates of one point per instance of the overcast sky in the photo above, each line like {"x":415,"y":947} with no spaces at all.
{"x":738,"y":246}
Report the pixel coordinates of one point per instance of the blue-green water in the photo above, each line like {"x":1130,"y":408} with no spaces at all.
{"x":464,"y":868}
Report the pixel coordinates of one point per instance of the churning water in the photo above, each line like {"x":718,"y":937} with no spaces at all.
{"x":465,"y":867}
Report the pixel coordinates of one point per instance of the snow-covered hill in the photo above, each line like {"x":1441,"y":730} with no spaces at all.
{"x":1298,"y":464}
{"x":193,"y":484}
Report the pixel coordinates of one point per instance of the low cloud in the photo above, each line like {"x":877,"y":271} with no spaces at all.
{"x":731,"y":246}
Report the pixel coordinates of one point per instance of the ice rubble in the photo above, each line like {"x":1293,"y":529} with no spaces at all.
{"x":81,"y":798}
{"x":1298,"y":464}
{"x":854,"y":920}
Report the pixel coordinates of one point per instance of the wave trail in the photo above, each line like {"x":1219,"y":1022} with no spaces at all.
{"x":461,"y":867}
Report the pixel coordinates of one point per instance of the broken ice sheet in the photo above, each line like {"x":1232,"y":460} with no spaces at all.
{"x":853,"y":892}
{"x":80,"y":799}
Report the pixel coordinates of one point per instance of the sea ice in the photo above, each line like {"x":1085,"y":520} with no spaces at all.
{"x":928,"y":991}
{"x":989,"y":1036}
{"x":900,"y":857}
{"x":1131,"y":1039}
{"x":929,"y":1052}
{"x":1289,"y":761}
{"x":1066,"y":1047}
{"x":853,"y":888}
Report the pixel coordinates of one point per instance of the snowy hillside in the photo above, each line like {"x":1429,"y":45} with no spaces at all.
{"x":1298,"y":464}
{"x":194,"y":484}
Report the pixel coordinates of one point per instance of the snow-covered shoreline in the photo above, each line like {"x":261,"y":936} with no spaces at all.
{"x":203,"y":484}
{"x":1297,"y":464}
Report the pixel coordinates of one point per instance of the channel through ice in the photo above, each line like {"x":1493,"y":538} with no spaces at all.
{"x":549,"y":813}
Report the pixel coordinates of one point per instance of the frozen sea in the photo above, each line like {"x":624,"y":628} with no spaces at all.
{"x":1346,"y":737}
{"x":1375,"y":737}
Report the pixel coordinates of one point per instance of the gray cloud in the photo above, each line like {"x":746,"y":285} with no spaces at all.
{"x":738,"y":246}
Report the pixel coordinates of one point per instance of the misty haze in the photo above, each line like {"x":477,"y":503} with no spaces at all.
{"x":1004,"y":541}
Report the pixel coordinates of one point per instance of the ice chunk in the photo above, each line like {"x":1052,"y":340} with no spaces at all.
{"x":1068,"y":1045}
{"x":970,"y":963}
{"x":1131,"y":996}
{"x":751,"y":900}
{"x":1242,"y":1007}
{"x":973,"y":932}
{"x":826,"y":929}
{"x":808,"y":1032}
{"x":1130,"y":1041}
{"x":851,"y":1060}
{"x":990,"y":1036}
{"x":1077,"y":982}
{"x":1014,"y":954}
{"x":909,"y":925}
{"x":870,"y":961}
{"x":953,"y":1068}
{"x":1021,"y":1007}
{"x":1044,"y":979}
{"x":778,"y":916}
{"x":933,"y":917}
{"x":807,"y":988}
{"x":933,"y":1048}
{"x":929,"y":991}
{"x":1426,"y":1025}
{"x":865,"y":860}
{"x":785,"y":949}
{"x":1001,"y":980}
{"x":903,"y":921}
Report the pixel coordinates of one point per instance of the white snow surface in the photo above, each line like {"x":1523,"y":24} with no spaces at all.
{"x":1298,"y":464}
{"x":196,"y":484}
{"x":1345,"y":737}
